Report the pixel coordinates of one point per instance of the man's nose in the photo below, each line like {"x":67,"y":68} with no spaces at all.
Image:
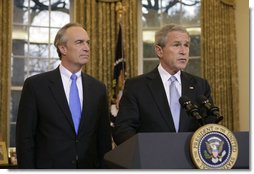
{"x":86,"y":47}
{"x":183,"y":49}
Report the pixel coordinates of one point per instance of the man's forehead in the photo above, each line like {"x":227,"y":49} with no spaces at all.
{"x":77,"y":33}
{"x":177,"y":35}
{"x":75,"y":28}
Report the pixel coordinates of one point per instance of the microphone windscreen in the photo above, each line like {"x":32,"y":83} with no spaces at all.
{"x":202,"y":99}
{"x":183,"y":100}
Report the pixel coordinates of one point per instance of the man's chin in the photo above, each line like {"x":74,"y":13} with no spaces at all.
{"x":85,"y":61}
{"x":182,"y":67}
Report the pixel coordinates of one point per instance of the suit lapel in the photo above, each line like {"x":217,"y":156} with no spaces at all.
{"x":156,"y":87}
{"x":188,"y":85}
{"x":86,"y":105}
{"x":188,"y":89}
{"x":56,"y":86}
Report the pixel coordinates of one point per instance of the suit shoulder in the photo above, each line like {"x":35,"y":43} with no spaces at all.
{"x":94,"y":81}
{"x":191,"y":76}
{"x":137,"y":80}
{"x":142,"y":80}
{"x":143,"y":77}
{"x":41,"y":76}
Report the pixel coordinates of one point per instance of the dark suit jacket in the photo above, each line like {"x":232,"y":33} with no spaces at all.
{"x":144,"y":106}
{"x":45,"y":135}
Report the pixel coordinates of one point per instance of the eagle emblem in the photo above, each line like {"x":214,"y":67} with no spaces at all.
{"x":214,"y":150}
{"x":213,"y":146}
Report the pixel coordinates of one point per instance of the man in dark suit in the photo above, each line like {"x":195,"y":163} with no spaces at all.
{"x":46,"y":135}
{"x":145,"y":105}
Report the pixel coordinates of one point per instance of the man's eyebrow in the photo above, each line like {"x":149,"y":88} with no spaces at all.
{"x":79,"y":40}
{"x":177,"y":41}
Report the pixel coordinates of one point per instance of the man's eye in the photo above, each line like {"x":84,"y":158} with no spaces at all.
{"x":79,"y":42}
{"x":177,"y":45}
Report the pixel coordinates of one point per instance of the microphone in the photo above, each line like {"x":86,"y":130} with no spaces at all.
{"x":190,"y":108}
{"x":210,"y":108}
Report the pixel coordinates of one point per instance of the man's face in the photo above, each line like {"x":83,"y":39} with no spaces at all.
{"x":76,"y":51}
{"x":174,"y":56}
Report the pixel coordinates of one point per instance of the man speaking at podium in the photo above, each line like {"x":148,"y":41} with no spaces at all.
{"x":150,"y":102}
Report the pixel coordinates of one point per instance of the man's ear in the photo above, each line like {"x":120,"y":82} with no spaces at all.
{"x":158,"y":50}
{"x":62,"y":49}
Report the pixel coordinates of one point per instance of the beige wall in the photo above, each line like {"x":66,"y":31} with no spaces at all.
{"x":243,"y":56}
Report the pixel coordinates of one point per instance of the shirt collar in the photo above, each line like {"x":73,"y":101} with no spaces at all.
{"x":165,"y":75}
{"x":65,"y":72}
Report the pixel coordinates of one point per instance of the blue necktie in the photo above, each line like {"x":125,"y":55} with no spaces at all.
{"x":174,"y":102}
{"x":74,"y":103}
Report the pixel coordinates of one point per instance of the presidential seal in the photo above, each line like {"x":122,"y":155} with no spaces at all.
{"x":213,"y":146}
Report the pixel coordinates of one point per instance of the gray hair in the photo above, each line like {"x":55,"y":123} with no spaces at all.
{"x":161,"y":35}
{"x":60,"y":38}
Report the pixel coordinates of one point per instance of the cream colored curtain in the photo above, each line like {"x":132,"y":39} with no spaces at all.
{"x":5,"y":59}
{"x":218,"y":57}
{"x":101,"y":20}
